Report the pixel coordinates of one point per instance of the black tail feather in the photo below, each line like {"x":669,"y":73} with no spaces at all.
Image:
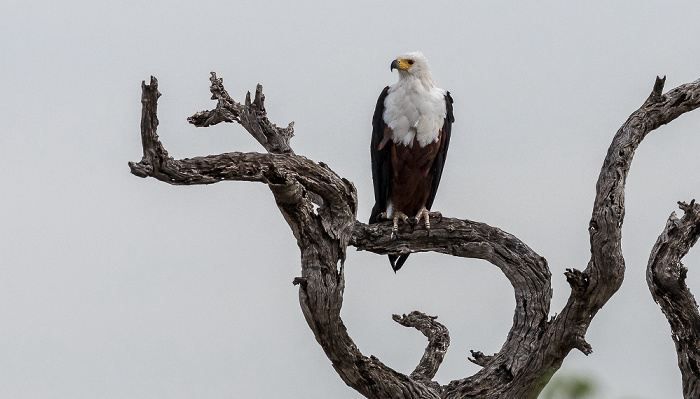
{"x":397,"y":261}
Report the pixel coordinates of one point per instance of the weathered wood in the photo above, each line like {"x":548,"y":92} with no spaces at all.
{"x":525,"y":269}
{"x":322,"y":235}
{"x":666,"y":279}
{"x":320,"y":208}
{"x":251,"y":115}
{"x":438,"y":341}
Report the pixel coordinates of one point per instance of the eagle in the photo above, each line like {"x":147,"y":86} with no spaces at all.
{"x":411,"y":131}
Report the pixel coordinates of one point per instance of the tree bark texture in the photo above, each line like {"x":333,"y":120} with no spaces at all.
{"x":321,"y":208}
{"x":666,"y":279}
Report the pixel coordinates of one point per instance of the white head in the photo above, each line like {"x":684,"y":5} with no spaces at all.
{"x":413,"y":65}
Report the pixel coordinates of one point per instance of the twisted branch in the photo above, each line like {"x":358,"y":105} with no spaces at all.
{"x":438,"y":341}
{"x":525,"y":269}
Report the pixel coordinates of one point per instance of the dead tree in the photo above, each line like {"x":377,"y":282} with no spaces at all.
{"x":321,"y":209}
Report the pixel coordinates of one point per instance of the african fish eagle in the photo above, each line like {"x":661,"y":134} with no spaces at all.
{"x":412,"y":125}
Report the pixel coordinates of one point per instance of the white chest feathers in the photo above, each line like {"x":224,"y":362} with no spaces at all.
{"x":414,"y":111}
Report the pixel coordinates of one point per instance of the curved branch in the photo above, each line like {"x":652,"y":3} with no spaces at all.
{"x":666,"y":279}
{"x":603,"y":276}
{"x":438,"y":341}
{"x":525,"y":269}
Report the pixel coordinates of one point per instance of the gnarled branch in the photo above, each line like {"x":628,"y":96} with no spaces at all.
{"x":322,"y":236}
{"x":438,"y":341}
{"x":666,"y":279}
{"x":251,"y":115}
{"x":525,"y":269}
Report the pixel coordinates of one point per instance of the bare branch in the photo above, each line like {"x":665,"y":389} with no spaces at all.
{"x":666,"y":279}
{"x":251,"y":115}
{"x":438,"y":341}
{"x":527,"y":271}
{"x":603,"y":276}
{"x":152,"y":149}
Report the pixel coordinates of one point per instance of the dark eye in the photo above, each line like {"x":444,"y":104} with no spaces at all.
{"x":410,"y":62}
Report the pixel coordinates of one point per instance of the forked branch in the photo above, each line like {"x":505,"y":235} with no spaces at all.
{"x":251,"y":115}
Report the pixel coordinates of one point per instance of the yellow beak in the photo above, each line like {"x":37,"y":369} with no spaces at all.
{"x":400,"y":64}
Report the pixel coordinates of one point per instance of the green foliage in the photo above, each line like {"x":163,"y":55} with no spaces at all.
{"x":570,"y":387}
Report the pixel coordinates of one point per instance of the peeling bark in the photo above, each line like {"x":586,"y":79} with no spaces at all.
{"x":320,"y":208}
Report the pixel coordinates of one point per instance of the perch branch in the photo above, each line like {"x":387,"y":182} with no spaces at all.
{"x":666,"y":280}
{"x":525,"y":269}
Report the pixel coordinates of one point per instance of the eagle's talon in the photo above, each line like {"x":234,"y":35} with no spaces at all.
{"x":396,"y":216}
{"x":425,"y":214}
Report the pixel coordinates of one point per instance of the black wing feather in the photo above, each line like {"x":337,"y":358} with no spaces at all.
{"x":382,"y":170}
{"x":439,"y":162}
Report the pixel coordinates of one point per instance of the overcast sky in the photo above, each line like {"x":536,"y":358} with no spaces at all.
{"x":119,"y":287}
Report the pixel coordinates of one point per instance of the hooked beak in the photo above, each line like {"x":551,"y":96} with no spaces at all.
{"x":394,"y":65}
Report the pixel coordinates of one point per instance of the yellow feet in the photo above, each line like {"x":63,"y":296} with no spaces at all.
{"x":426,"y":214}
{"x":395,"y":216}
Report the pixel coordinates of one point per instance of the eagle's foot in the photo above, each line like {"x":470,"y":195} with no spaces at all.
{"x":425,"y":214}
{"x":396,"y":216}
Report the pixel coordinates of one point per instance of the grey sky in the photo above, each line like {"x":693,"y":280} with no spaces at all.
{"x":114,"y":286}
